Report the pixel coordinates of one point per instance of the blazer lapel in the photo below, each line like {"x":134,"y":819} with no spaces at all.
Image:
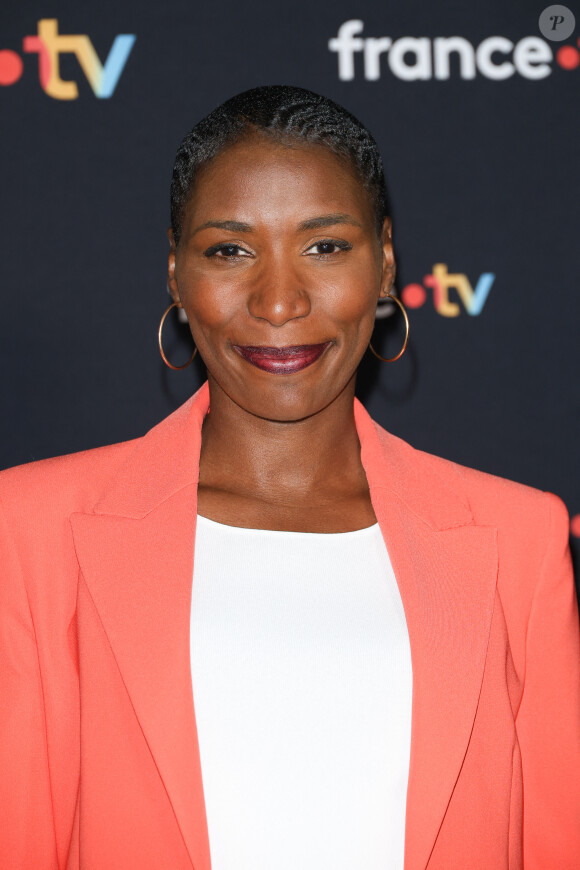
{"x":136,"y":556}
{"x":446,"y":569}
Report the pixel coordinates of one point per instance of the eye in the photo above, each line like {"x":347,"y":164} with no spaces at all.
{"x":226,"y":252}
{"x":326,"y":247}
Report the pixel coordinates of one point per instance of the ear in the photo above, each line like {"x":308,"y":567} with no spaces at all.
{"x":389,"y":267}
{"x":171,"y":279}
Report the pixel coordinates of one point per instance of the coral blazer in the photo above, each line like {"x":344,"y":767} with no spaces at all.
{"x":99,"y":759}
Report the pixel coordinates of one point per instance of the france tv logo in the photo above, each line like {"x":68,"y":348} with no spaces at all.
{"x":49,"y":44}
{"x":440,"y":281}
{"x":411,"y":58}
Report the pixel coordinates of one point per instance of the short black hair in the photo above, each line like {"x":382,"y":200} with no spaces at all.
{"x":286,"y":113}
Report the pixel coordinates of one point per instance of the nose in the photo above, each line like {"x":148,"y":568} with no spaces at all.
{"x":279,"y":296}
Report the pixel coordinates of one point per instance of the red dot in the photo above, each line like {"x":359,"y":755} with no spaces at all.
{"x":414,"y":295}
{"x":568,"y":57}
{"x":10,"y":67}
{"x":575,"y":526}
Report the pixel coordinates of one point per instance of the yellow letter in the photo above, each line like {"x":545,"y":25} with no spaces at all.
{"x":55,"y":86}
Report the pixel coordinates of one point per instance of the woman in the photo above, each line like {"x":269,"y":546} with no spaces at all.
{"x":382,"y":646}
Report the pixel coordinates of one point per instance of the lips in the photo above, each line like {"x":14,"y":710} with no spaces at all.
{"x":282,"y":360}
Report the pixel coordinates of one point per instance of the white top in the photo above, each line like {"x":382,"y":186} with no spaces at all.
{"x":302,"y":681}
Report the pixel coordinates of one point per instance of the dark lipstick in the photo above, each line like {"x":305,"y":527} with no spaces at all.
{"x":282,"y":360}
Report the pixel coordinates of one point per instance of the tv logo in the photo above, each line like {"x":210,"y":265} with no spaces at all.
{"x":49,"y":44}
{"x":440,"y":281}
{"x":413,"y":58}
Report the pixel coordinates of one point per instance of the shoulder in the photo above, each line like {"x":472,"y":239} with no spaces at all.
{"x":62,"y":484}
{"x":527,"y":529}
{"x":36,"y":502}
{"x":491,"y":495}
{"x":492,"y":500}
{"x":521,"y":532}
{"x":531,"y":523}
{"x":36,"y":496}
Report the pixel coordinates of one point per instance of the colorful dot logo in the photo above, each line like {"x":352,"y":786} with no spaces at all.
{"x":568,"y":56}
{"x":440,"y":281}
{"x":49,"y":45}
{"x":11,"y":67}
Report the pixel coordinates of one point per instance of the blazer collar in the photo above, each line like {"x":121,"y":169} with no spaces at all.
{"x":163,"y":461}
{"x":166,"y":459}
{"x":446,"y":569}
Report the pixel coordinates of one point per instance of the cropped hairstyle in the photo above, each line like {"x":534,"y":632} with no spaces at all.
{"x":289,"y":115}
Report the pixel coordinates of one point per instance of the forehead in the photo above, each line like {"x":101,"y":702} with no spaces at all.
{"x":259,"y":178}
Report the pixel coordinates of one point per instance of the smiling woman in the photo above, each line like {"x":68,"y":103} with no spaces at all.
{"x":291,"y":640}
{"x":273,"y":284}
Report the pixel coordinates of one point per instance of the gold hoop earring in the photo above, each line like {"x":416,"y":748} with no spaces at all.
{"x":159,"y":333}
{"x":403,"y":349}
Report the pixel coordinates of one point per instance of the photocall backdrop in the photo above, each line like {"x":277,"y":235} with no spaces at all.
{"x":475,"y":109}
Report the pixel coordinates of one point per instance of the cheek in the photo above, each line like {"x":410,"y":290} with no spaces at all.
{"x":352,"y":303}
{"x":210,"y":303}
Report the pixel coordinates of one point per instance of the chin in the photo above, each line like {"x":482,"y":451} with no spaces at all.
{"x":281,"y":410}
{"x":281,"y":398}
{"x":287,"y":403}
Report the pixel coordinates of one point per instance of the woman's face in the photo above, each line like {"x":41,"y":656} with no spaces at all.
{"x":279,"y":269}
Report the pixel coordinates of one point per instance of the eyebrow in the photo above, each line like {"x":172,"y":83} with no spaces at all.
{"x":315,"y":223}
{"x":328,"y":220}
{"x":233,"y":226}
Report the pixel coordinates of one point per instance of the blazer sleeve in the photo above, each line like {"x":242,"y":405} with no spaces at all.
{"x":548,"y":719}
{"x":27,"y":833}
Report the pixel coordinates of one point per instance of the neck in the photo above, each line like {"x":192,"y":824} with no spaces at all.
{"x":320,"y":452}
